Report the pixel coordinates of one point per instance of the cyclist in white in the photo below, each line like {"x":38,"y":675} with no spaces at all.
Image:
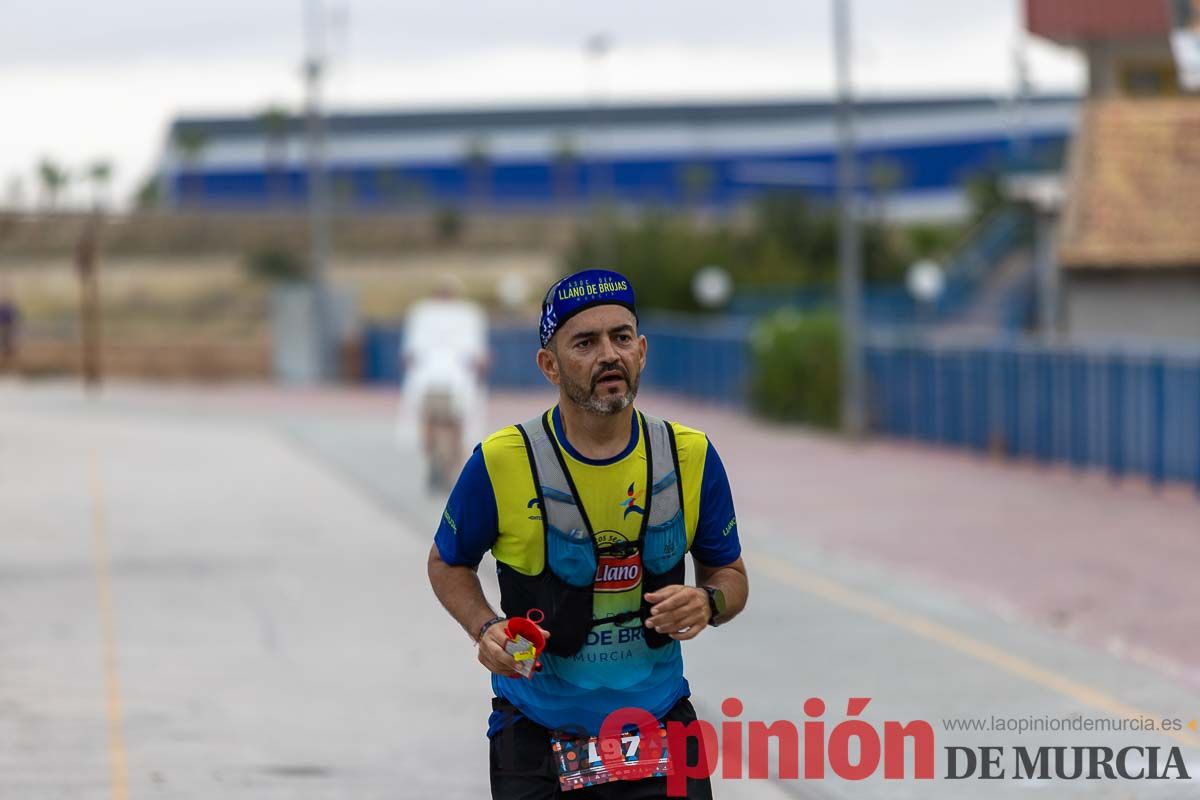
{"x":445,"y":357}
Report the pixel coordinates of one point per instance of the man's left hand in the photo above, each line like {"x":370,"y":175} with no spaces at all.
{"x":679,"y":611}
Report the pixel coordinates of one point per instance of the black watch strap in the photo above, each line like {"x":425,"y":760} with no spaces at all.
{"x":716,"y":604}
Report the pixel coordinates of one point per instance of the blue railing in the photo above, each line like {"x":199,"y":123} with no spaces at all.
{"x":1120,"y":411}
{"x":1123,"y":411}
{"x":702,"y":360}
{"x":708,"y":361}
{"x":967,"y":271}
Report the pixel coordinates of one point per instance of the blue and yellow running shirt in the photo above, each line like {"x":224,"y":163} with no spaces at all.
{"x":494,"y":507}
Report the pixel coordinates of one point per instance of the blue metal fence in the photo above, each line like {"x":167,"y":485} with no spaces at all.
{"x":702,"y":360}
{"x":1121,"y":411}
{"x":707,"y":361}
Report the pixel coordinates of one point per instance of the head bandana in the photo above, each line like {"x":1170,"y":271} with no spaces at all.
{"x":575,"y":293}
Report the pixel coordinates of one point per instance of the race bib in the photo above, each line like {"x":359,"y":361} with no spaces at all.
{"x":580,"y":762}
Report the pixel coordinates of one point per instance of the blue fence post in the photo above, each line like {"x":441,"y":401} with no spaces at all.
{"x":1044,"y":407}
{"x":910,"y":392}
{"x":956,"y":393}
{"x":980,"y":399}
{"x":1062,"y":407}
{"x":1195,"y":414}
{"x":1079,"y":408}
{"x":930,"y":426}
{"x":1158,"y":418}
{"x":1011,"y":370}
{"x":1116,"y":416}
{"x":367,"y":367}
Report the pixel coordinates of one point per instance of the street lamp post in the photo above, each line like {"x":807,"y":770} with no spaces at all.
{"x":597,"y":48}
{"x":318,"y":190}
{"x":849,"y":244}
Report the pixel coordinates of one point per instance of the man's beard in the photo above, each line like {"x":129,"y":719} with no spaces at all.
{"x":586,"y":398}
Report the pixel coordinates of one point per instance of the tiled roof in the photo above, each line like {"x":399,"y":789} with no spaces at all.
{"x":1134,"y":194}
{"x":1073,"y":21}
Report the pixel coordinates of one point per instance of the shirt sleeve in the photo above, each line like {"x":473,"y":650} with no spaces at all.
{"x":716,"y":542}
{"x":469,"y":524}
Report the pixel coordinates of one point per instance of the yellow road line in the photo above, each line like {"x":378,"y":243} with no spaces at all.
{"x":956,"y":640}
{"x":118,"y":765}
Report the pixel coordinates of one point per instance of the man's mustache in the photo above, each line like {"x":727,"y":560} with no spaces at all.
{"x":610,"y":368}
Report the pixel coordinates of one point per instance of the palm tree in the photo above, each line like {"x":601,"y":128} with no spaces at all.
{"x":275,"y":122}
{"x":191,"y":143}
{"x":566,"y":161}
{"x":149,"y":194}
{"x":386,"y":185}
{"x":478,"y":164}
{"x":884,"y":176}
{"x":54,"y":179}
{"x":413,"y":191}
{"x":99,"y":174}
{"x":698,"y":180}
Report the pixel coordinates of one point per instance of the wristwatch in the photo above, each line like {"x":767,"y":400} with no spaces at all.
{"x":716,"y":604}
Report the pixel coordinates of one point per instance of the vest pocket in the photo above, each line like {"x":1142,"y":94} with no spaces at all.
{"x":664,"y":545}
{"x":571,"y":555}
{"x":566,"y":609}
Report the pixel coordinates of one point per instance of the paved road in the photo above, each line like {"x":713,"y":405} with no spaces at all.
{"x":207,"y":594}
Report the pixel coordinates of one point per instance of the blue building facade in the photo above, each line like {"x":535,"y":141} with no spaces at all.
{"x":915,"y":155}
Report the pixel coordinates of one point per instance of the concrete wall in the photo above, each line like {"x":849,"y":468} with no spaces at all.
{"x":1160,"y":304}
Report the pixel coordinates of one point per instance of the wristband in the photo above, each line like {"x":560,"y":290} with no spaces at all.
{"x":484,"y":627}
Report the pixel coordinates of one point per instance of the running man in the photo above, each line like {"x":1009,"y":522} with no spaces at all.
{"x":589,"y":510}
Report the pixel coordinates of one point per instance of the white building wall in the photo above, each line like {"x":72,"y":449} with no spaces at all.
{"x":1154,"y":304}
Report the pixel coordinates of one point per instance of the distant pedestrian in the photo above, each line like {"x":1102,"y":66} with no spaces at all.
{"x":10,"y":320}
{"x":445,"y":355}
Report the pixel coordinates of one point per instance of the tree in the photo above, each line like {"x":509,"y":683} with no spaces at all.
{"x":275,"y":123}
{"x":99,"y":174}
{"x":191,"y":143}
{"x":565,"y":165}
{"x":986,"y":194}
{"x":697,"y":180}
{"x":884,"y":176}
{"x":54,"y":179}
{"x":479,"y":165}
{"x":387,"y":186}
{"x":149,"y":194}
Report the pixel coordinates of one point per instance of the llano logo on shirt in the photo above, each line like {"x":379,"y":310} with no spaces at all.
{"x":618,"y":571}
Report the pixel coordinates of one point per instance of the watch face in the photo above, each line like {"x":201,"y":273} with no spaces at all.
{"x":716,"y":601}
{"x":719,"y":601}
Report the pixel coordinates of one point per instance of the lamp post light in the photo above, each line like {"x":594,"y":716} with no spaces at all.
{"x":925,"y":281}
{"x":854,"y":417}
{"x":596,"y":49}
{"x":712,"y":287}
{"x":318,"y":190}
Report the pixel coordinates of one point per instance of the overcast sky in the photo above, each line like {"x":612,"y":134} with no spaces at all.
{"x":82,"y":81}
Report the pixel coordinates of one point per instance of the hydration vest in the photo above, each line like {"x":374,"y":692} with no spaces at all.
{"x":564,"y":589}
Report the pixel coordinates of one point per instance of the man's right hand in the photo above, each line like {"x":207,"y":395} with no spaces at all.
{"x":493,"y":655}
